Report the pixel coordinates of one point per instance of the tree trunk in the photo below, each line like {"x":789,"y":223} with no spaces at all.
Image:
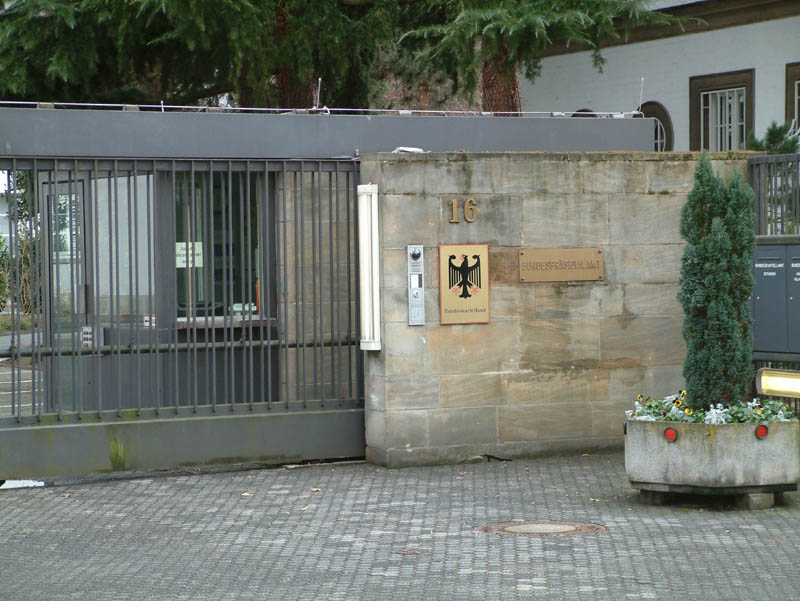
{"x":500,"y":91}
{"x":292,"y":94}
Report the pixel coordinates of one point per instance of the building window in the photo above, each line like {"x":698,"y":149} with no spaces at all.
{"x":722,"y":109}
{"x":663,"y":138}
{"x":793,"y":91}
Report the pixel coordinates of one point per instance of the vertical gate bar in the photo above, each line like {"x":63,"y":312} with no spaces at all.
{"x":285,"y":291}
{"x":13,"y":220}
{"x":779,"y":193}
{"x":751,"y":181}
{"x":772,"y":223}
{"x":334,"y":301}
{"x":266,"y":240}
{"x":796,"y":193}
{"x":12,"y":180}
{"x":755,"y":181}
{"x":137,"y":308}
{"x":194,"y":286}
{"x":110,"y":196}
{"x":213,"y":257}
{"x":779,"y":187}
{"x":786,"y":194}
{"x":248,"y":351}
{"x":301,"y":252}
{"x":764,"y":170}
{"x":208,"y":246}
{"x":204,"y":215}
{"x":154,"y":319}
{"x":133,"y":265}
{"x":242,"y":287}
{"x":776,"y":198}
{"x":118,"y":294}
{"x":352,"y":221}
{"x":137,"y":252}
{"x":56,"y":295}
{"x":74,"y":284}
{"x":782,"y":194}
{"x":16,"y":275}
{"x":773,"y":177}
{"x":37,"y":311}
{"x":225,"y":276}
{"x":94,"y":186}
{"x":338,"y":295}
{"x":16,"y":324}
{"x":174,"y":312}
{"x":319,"y":269}
{"x":315,"y":263}
{"x":298,"y":349}
{"x":231,"y":285}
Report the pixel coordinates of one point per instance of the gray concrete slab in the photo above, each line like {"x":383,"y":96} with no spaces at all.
{"x":359,"y":532}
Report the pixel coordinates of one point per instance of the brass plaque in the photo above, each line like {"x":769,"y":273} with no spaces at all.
{"x":560,"y":264}
{"x":464,"y":283}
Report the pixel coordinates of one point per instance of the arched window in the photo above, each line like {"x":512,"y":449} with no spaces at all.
{"x":663,"y":138}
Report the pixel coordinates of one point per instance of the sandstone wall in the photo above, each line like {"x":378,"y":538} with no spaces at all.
{"x":559,"y":362}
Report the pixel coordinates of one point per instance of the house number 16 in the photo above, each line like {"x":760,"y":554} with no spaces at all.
{"x":470,"y":210}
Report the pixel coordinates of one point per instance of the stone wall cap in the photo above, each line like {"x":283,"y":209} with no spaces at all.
{"x":576,"y":156}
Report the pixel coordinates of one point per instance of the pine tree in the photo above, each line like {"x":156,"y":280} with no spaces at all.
{"x":488,"y":42}
{"x":776,"y":140}
{"x":262,"y":52}
{"x":715,"y":285}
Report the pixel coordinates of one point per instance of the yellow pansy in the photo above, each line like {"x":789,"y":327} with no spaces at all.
{"x":688,"y":411}
{"x":678,"y":403}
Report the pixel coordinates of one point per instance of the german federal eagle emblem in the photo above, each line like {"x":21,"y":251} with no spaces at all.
{"x":463,"y":283}
{"x":465,"y":279}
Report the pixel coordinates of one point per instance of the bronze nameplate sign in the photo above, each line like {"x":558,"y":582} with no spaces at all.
{"x":560,"y":264}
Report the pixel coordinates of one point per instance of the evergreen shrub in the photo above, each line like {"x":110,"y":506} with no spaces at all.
{"x":715,"y":284}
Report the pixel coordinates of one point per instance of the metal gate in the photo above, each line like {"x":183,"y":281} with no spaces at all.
{"x":156,"y":289}
{"x":775,"y":180}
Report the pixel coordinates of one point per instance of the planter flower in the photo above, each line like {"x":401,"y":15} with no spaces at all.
{"x":713,"y":438}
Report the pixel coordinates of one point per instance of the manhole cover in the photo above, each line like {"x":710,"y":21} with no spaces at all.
{"x":541,"y":528}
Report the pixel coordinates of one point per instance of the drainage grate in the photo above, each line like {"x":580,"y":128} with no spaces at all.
{"x":541,"y":528}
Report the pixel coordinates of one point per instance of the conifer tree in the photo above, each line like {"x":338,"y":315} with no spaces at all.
{"x":715,"y":285}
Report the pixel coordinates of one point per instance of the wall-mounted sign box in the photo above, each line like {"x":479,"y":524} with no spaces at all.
{"x":775,"y":302}
{"x":464,"y":283}
{"x":560,"y":264}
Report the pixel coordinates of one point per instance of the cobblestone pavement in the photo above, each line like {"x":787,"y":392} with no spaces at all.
{"x":359,"y":532}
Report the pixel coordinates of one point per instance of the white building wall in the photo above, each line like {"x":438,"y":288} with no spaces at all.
{"x":570,"y":82}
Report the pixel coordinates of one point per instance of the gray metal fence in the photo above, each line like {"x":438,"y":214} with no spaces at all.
{"x":775,"y":180}
{"x":183,"y":286}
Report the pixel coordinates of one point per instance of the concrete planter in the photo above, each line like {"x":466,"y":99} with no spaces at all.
{"x":724,"y":460}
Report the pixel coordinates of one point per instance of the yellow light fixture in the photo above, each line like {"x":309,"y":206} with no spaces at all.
{"x":778,"y":382}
